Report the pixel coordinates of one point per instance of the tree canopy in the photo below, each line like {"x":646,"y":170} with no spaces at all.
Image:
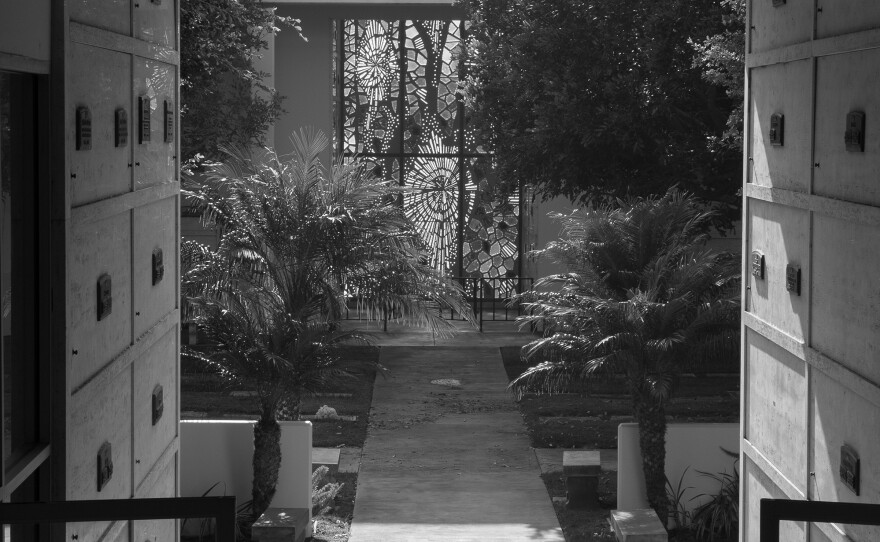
{"x":597,"y":98}
{"x":225,"y":100}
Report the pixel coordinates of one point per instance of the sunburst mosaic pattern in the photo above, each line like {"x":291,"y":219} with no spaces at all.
{"x":397,"y":105}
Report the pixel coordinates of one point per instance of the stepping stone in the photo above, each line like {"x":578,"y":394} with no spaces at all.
{"x":638,"y":526}
{"x":328,"y":457}
{"x":349,"y":460}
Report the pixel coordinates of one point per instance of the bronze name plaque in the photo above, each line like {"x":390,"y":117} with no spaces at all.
{"x":777,"y":130}
{"x":144,"y":119}
{"x":169,"y":122}
{"x":757,"y":265}
{"x":854,"y":137}
{"x":849,"y":468}
{"x":121,"y":127}
{"x":105,"y":297}
{"x":793,"y":279}
{"x":83,"y":128}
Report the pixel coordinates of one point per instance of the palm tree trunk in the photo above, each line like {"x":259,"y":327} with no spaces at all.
{"x":267,"y":462}
{"x":651,"y":417}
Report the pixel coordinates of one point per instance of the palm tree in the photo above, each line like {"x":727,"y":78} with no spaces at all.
{"x":297,"y":239}
{"x":643,"y":298}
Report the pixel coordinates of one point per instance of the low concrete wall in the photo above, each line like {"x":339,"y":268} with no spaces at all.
{"x":691,"y":446}
{"x":213,"y":451}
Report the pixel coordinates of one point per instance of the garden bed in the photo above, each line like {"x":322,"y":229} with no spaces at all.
{"x":205,"y":395}
{"x":589,"y":420}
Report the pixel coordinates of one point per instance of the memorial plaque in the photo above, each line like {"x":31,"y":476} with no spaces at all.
{"x":158,"y":266}
{"x":758,"y":265}
{"x":849,"y":468}
{"x":169,"y":122}
{"x":793,"y":279}
{"x":121,"y":127}
{"x":158,"y":405}
{"x":105,"y":297}
{"x":144,"y":120}
{"x":105,"y":465}
{"x":777,"y":129}
{"x":854,"y":137}
{"x":83,"y":128}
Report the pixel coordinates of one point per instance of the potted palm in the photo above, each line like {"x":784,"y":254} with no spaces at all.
{"x":643,"y":299}
{"x":295,"y":238}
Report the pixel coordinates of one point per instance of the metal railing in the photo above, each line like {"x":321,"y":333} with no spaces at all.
{"x":490,"y":300}
{"x":221,"y":509}
{"x":775,"y":510}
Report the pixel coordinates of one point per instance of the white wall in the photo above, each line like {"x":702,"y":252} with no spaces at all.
{"x":689,"y":446}
{"x":222,"y":451}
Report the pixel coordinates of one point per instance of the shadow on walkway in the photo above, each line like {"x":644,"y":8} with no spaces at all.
{"x":445,"y":461}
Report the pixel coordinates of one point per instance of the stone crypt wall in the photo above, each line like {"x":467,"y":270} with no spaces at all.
{"x":811,"y":311}
{"x":108,"y":258}
{"x":121,"y":235}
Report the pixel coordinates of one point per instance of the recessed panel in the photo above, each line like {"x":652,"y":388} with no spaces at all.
{"x":165,"y":529}
{"x":98,"y":249}
{"x":843,"y":16}
{"x":154,"y":22}
{"x":777,"y":26}
{"x":776,"y":406}
{"x":846,"y":308}
{"x":158,"y":367}
{"x":833,"y":408}
{"x":155,"y":83}
{"x":757,"y":486}
{"x":781,"y":90}
{"x":848,"y":83}
{"x":781,"y":234}
{"x":112,"y":15}
{"x":154,"y":228}
{"x":99,"y":82}
{"x":104,"y":419}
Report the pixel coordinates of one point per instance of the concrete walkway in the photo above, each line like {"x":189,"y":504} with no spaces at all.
{"x":446,"y":462}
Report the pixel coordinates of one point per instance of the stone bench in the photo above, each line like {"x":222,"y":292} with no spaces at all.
{"x":281,"y":525}
{"x":581,"y":471}
{"x":637,"y":526}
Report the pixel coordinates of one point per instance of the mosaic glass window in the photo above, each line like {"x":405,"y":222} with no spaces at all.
{"x":396,"y":104}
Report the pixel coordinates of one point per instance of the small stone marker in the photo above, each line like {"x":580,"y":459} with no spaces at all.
{"x":281,"y":525}
{"x":328,"y":457}
{"x":581,"y":470}
{"x":638,"y":526}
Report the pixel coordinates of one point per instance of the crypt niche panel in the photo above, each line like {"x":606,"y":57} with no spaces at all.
{"x":397,"y":107}
{"x":99,"y":110}
{"x":154,"y":118}
{"x":154,"y":22}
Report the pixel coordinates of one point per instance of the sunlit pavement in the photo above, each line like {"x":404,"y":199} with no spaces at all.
{"x":444,"y":461}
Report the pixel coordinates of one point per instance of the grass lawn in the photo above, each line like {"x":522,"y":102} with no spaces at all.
{"x":589,"y":420}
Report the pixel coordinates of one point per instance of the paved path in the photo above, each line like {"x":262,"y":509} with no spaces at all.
{"x":449,"y":463}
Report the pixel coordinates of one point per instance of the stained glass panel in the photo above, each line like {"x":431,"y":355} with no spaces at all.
{"x":370,"y":86}
{"x":398,"y":106}
{"x":491,"y":234}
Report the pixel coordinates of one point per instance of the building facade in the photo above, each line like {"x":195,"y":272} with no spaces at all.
{"x":811,"y":297}
{"x":90,"y":257}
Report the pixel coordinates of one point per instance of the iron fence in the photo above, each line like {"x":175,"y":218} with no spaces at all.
{"x":490,"y":300}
